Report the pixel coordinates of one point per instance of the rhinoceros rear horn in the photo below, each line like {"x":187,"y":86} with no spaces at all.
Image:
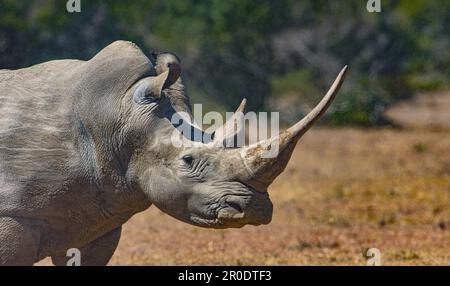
{"x":231,"y":128}
{"x":167,"y":62}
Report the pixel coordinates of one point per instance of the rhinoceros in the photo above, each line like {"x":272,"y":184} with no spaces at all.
{"x":85,"y":145}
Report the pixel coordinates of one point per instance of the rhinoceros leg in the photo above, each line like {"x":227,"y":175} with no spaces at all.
{"x":19,"y":242}
{"x":97,"y":252}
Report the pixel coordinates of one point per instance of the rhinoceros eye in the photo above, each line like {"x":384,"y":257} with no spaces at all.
{"x":187,"y":159}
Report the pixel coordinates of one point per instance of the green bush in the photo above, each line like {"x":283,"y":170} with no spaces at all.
{"x":265,"y":50}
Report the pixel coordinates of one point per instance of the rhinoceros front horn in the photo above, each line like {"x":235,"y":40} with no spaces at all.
{"x":261,"y":168}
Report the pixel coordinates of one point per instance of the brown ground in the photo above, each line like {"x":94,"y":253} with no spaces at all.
{"x":345,"y":190}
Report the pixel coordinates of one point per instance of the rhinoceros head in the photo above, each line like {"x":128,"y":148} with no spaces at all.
{"x":206,"y":183}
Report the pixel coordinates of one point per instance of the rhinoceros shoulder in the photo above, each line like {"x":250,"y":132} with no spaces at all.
{"x":38,"y":158}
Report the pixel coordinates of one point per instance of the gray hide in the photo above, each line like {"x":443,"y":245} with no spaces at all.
{"x":84,"y":145}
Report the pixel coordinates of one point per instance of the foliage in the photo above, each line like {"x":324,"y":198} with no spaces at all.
{"x":264,"y":50}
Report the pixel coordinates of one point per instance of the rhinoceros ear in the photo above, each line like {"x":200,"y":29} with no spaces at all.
{"x":149,"y":89}
{"x":165,"y":61}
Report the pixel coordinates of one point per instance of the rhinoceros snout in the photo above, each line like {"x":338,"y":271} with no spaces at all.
{"x":239,"y":210}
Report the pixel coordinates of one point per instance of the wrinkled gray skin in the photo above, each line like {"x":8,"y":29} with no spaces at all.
{"x":85,"y":145}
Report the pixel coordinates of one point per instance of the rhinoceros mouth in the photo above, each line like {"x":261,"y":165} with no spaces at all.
{"x":207,"y":222}
{"x":218,"y":222}
{"x":228,"y":216}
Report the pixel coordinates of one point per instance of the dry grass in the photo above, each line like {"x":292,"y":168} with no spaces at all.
{"x":345,"y":190}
